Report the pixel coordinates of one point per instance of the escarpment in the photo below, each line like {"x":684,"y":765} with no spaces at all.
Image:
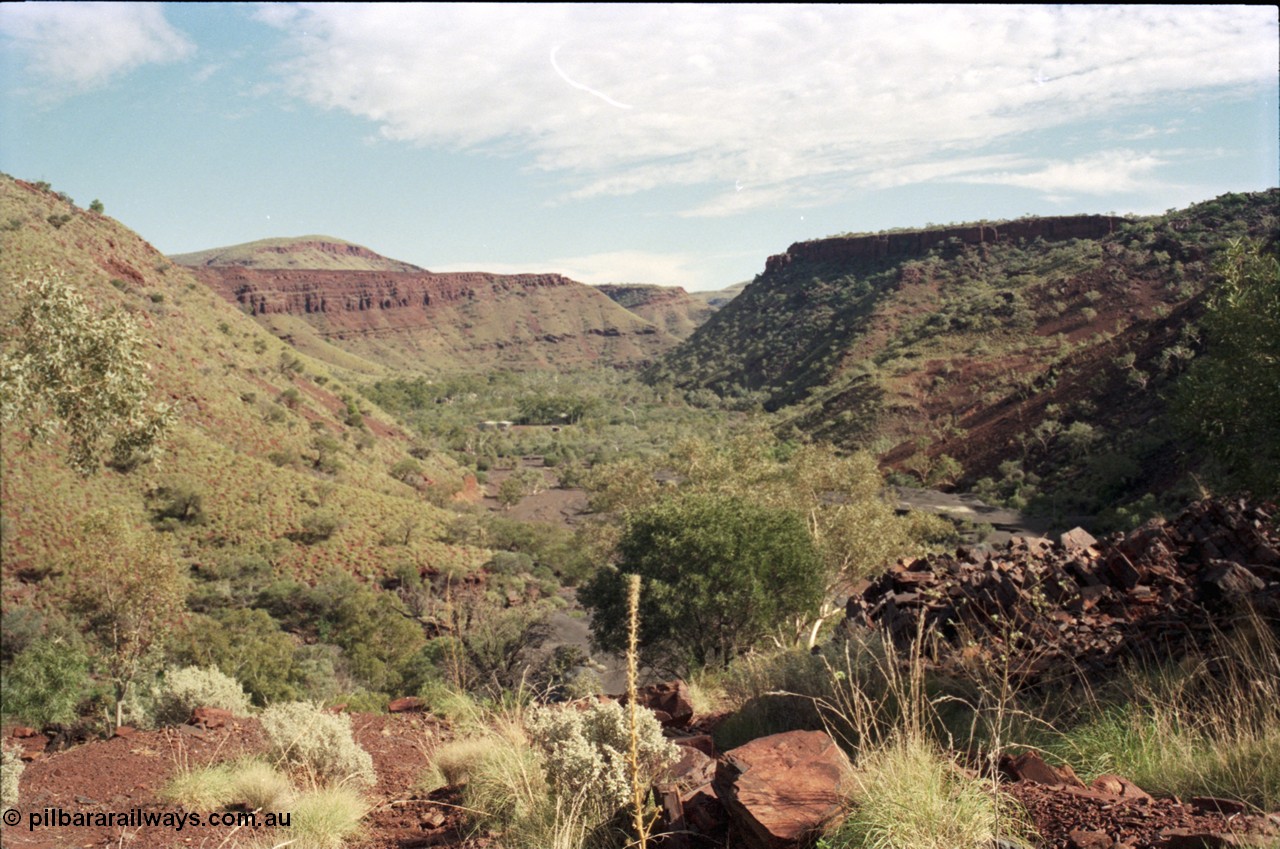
{"x":446,"y":321}
{"x":919,"y":242}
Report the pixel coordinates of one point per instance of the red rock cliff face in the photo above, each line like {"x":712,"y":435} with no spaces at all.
{"x":918,"y":242}
{"x":303,"y":292}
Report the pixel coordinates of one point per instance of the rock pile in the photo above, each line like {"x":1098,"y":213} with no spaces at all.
{"x":1114,"y":813}
{"x":1078,"y":606}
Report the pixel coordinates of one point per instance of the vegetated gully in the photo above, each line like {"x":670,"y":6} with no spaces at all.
{"x":565,"y":507}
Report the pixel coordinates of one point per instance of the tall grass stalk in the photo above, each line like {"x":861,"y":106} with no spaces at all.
{"x":639,"y":821}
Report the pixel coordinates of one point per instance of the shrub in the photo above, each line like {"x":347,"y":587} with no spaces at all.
{"x":45,"y":682}
{"x":208,"y":788}
{"x":585,"y":752}
{"x":505,"y":780}
{"x":250,"y":645}
{"x":291,"y":398}
{"x":184,"y":690}
{"x":325,"y":818}
{"x":80,"y":371}
{"x":178,"y":500}
{"x":720,"y":573}
{"x":10,"y":775}
{"x":317,"y":527}
{"x":908,"y":795}
{"x":407,"y":471}
{"x":319,"y":743}
{"x":285,"y":457}
{"x":251,"y":783}
{"x":327,"y":454}
{"x":19,"y":628}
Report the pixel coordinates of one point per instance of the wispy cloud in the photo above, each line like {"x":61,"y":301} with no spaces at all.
{"x":74,"y":47}
{"x":1099,"y":174}
{"x":753,"y":103}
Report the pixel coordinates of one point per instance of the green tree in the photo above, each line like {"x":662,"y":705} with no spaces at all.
{"x":248,"y":645}
{"x":129,"y":592}
{"x":69,"y":365}
{"x":45,"y":682}
{"x":520,"y":483}
{"x":97,"y":207}
{"x":1230,"y":397}
{"x":721,"y":574}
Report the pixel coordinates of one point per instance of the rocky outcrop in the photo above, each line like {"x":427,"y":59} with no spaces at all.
{"x":781,"y":791}
{"x":671,"y":702}
{"x":917,"y":242}
{"x":1078,"y":604}
{"x":1115,"y":812}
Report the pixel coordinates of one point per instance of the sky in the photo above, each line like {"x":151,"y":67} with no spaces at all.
{"x":677,"y":145}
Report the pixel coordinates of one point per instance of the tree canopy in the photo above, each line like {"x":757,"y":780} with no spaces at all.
{"x":1230,"y":397}
{"x":71,"y":366}
{"x":719,"y":572}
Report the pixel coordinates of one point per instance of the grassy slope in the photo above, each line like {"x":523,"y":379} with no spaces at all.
{"x":965,"y":350}
{"x":226,"y":374}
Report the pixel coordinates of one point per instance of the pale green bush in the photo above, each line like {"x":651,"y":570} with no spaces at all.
{"x":184,"y":690}
{"x":588,"y":751}
{"x":305,"y":736}
{"x":10,"y":773}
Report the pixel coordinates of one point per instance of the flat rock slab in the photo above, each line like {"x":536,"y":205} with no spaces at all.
{"x":781,"y":791}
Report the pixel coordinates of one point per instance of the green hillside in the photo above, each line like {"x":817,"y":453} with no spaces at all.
{"x":266,"y":438}
{"x":952,"y":352}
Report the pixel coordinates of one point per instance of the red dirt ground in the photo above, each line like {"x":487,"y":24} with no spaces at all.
{"x":125,"y":773}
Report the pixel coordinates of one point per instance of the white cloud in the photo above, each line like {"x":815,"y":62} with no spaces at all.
{"x":787,"y":101}
{"x":75,"y":47}
{"x":1099,"y":174}
{"x":628,"y":266}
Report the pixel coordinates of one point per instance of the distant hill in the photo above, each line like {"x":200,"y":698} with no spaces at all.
{"x":669,"y":307}
{"x":267,"y":437}
{"x":462,"y":321}
{"x":312,"y":252}
{"x":717,"y":298}
{"x":984,"y":343}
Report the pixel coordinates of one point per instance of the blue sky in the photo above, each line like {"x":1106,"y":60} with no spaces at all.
{"x":678,"y":145}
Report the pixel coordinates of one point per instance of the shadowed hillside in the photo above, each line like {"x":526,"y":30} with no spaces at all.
{"x":1048,"y":343}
